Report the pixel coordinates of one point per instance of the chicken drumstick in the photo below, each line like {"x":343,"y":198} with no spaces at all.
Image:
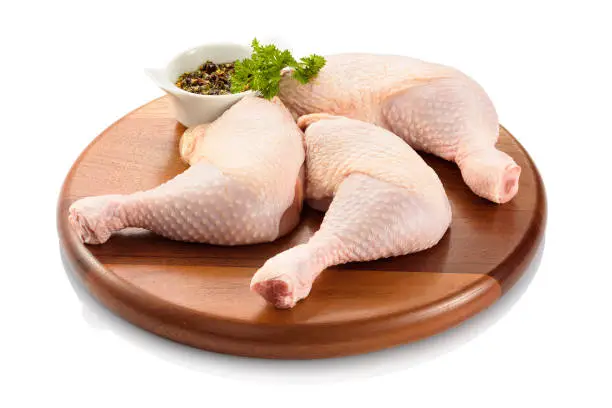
{"x":386,"y":201}
{"x":244,"y":185}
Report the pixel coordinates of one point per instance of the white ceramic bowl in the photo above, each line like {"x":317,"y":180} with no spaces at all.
{"x":193,"y":109}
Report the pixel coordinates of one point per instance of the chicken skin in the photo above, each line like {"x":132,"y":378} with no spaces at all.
{"x":434,"y":108}
{"x":385,"y":201}
{"x":244,"y":185}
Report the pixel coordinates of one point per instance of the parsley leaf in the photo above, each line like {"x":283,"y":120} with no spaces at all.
{"x":262,"y":72}
{"x":308,"y":68}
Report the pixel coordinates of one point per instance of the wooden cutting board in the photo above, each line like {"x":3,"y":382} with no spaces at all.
{"x":199,"y":294}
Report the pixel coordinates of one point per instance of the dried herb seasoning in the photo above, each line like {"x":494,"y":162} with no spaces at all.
{"x":208,"y":79}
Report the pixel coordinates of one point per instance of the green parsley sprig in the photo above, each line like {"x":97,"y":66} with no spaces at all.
{"x":262,"y":72}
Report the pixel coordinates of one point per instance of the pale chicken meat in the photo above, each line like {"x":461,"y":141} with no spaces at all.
{"x":244,"y":184}
{"x":385,"y":201}
{"x":435,"y":108}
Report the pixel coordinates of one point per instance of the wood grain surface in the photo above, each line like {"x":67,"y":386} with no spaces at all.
{"x":199,"y":294}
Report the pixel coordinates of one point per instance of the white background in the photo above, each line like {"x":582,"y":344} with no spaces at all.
{"x":69,"y":70}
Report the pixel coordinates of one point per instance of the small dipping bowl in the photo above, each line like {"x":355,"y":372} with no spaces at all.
{"x":193,"y":109}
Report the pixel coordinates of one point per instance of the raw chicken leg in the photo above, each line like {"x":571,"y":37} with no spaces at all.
{"x":434,"y":108}
{"x":244,"y":185}
{"x":386,"y":202}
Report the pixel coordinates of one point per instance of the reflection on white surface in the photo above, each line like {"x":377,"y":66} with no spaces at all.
{"x":314,"y":371}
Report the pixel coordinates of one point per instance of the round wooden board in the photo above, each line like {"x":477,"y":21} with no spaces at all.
{"x":199,"y":294}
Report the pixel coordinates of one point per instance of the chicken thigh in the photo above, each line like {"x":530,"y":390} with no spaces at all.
{"x":244,"y":185}
{"x":385,"y":201}
{"x":434,"y":108}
